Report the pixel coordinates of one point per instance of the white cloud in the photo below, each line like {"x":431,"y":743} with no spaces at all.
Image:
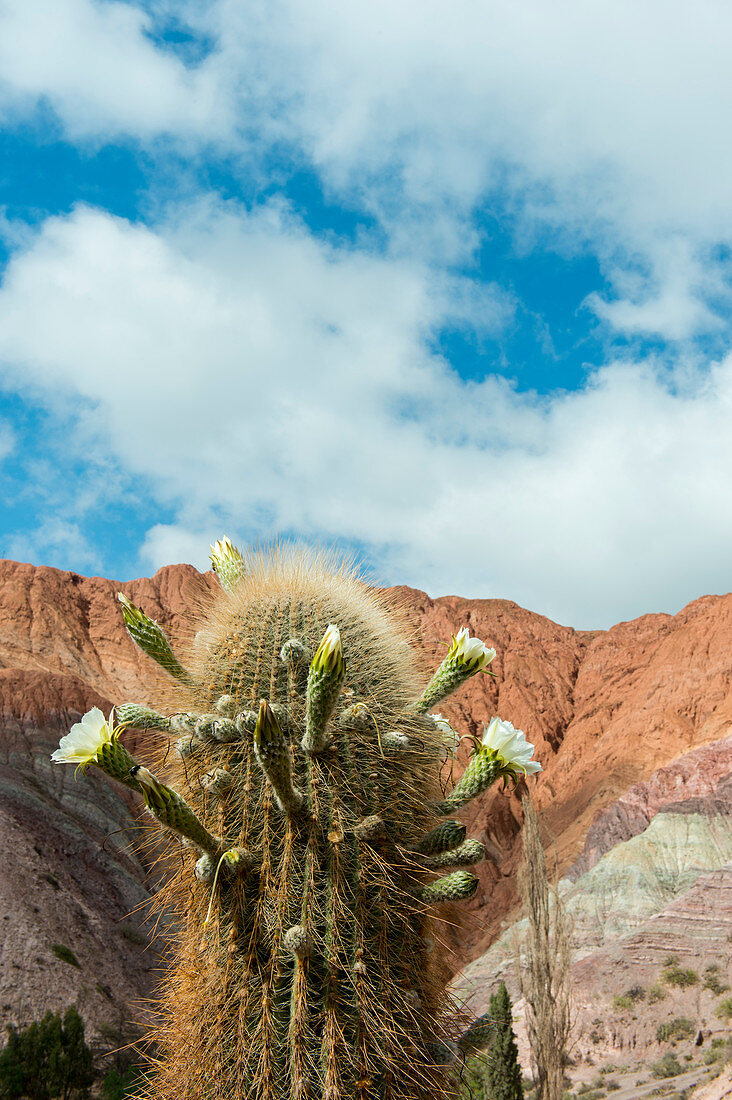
{"x":63,"y":540}
{"x":675,"y":298}
{"x":602,"y":122}
{"x":93,"y":62}
{"x":260,"y":380}
{"x":168,"y":544}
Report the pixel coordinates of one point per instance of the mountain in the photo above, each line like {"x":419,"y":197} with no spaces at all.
{"x":606,"y":710}
{"x":653,"y":884}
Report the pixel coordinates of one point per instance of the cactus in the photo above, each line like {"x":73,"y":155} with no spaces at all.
{"x":306,"y":791}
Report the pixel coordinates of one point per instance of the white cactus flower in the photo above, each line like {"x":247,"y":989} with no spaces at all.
{"x":452,"y":739}
{"x":85,"y":738}
{"x":470,"y":652}
{"x":511,"y":746}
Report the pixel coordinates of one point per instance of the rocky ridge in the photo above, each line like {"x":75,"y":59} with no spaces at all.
{"x":586,"y":699}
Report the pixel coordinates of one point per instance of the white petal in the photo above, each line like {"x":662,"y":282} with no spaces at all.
{"x":92,"y":721}
{"x":513,"y":748}
{"x":81,"y":744}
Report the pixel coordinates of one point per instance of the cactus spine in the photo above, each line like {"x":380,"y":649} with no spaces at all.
{"x":312,"y":815}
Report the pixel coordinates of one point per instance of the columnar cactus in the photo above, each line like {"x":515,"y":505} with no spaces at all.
{"x":305,"y":791}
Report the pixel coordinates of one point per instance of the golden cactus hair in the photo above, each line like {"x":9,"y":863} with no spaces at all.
{"x":305,"y":791}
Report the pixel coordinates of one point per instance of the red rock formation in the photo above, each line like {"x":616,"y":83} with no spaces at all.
{"x":692,"y":778}
{"x":604,"y":708}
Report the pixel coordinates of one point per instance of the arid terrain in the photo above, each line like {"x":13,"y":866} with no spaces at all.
{"x":632,"y":726}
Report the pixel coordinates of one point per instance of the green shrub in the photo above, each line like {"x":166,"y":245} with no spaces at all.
{"x":720,"y":1053}
{"x":119,"y":1086}
{"x":46,"y":1060}
{"x":668,"y":1066}
{"x":713,"y":982}
{"x":680,"y":976}
{"x":65,"y":954}
{"x":724,"y":1010}
{"x":656,"y":993}
{"x":133,"y":935}
{"x":111,"y":1033}
{"x":678,"y":1028}
{"x":631,"y":996}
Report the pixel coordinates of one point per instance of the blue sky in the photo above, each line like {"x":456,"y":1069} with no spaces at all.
{"x":446,"y":284}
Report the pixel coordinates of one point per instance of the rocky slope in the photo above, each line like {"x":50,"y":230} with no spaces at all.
{"x":72,"y":881}
{"x":664,"y":891}
{"x":588,"y":700}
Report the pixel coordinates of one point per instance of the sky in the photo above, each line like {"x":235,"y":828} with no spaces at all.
{"x":447,"y":285}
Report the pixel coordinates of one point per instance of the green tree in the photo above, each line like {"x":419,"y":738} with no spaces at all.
{"x":77,"y":1067}
{"x":503,"y":1072}
{"x":11,"y":1069}
{"x":48,"y":1060}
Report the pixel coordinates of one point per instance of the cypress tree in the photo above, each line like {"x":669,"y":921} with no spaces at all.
{"x":503,"y":1072}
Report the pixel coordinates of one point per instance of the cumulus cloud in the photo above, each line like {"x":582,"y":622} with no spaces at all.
{"x":261,"y":381}
{"x":596,"y":123}
{"x":686,"y":293}
{"x":95,"y":65}
{"x":65,"y":540}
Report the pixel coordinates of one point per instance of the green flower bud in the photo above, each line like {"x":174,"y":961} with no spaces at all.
{"x":467,"y":853}
{"x":273,"y":756}
{"x":455,"y":887}
{"x":138,"y":717}
{"x":149,"y":636}
{"x":446,"y":836}
{"x":325,"y":680}
{"x":172,"y":811}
